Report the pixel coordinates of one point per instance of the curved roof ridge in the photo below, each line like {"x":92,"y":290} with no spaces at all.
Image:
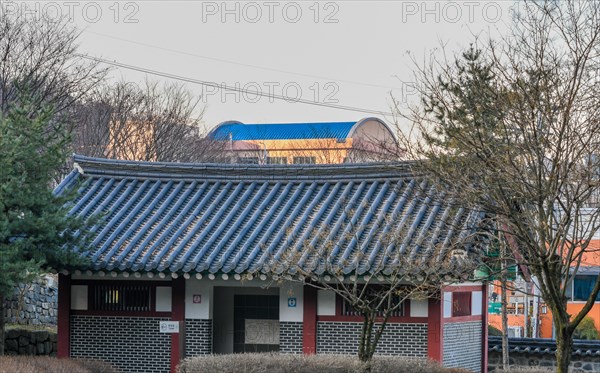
{"x":226,"y":171}
{"x":368,"y":119}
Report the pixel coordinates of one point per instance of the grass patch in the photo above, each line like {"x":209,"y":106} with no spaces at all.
{"x":44,"y":364}
{"x":286,"y":363}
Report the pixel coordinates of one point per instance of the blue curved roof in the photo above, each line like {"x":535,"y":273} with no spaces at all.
{"x":282,"y":131}
{"x":198,"y":218}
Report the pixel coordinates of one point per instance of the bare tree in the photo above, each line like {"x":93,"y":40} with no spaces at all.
{"x":379,"y":290}
{"x":38,"y":59}
{"x":150,"y":123}
{"x":512,"y":128}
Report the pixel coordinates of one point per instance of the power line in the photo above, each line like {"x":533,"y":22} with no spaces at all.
{"x":240,"y":63}
{"x":229,"y":88}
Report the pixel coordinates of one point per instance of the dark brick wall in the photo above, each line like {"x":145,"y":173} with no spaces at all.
{"x":399,"y":339}
{"x":198,"y":337}
{"x":131,"y":344}
{"x":462,"y":345}
{"x":290,"y":337}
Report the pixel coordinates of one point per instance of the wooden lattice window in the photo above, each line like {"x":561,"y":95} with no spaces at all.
{"x":121,"y":297}
{"x":349,"y":310}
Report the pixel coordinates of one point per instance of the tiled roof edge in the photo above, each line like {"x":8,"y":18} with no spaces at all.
{"x":173,"y":170}
{"x":543,"y":345}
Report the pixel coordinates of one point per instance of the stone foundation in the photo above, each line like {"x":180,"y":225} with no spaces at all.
{"x":29,"y":342}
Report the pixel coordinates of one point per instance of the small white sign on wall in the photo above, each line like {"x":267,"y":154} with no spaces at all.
{"x":169,"y":326}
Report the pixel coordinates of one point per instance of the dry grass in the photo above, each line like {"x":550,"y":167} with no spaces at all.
{"x":276,"y":363}
{"x":44,"y":364}
{"x":32,"y":328}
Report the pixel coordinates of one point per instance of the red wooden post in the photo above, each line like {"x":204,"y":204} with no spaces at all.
{"x":64,"y":316}
{"x":484,"y":324}
{"x":435,"y":330}
{"x":309,"y":323}
{"x":178,"y":314}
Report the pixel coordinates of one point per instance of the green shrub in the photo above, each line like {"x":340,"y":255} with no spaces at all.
{"x":45,"y":364}
{"x":286,"y":363}
{"x":586,"y":329}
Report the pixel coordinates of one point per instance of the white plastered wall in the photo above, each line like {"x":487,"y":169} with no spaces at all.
{"x":79,"y":297}
{"x":325,"y":303}
{"x":419,"y":307}
{"x":163,"y":298}
{"x":291,"y":302}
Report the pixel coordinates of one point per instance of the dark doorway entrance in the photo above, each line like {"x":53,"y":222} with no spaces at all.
{"x":255,"y":323}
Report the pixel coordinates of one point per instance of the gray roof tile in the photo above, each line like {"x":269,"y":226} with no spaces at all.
{"x":236,"y":218}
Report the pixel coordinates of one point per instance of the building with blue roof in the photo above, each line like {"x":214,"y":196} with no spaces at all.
{"x":368,"y":139}
{"x":194,"y":259}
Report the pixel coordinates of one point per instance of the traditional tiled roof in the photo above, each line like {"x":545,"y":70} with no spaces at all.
{"x":238,"y":131}
{"x":543,"y":346}
{"x":199,"y":218}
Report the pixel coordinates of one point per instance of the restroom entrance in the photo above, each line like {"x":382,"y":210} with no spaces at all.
{"x":245,"y":319}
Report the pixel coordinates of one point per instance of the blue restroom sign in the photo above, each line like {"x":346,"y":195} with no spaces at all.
{"x":291,"y":302}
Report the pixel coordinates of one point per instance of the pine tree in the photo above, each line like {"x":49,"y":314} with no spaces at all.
{"x":36,"y":233}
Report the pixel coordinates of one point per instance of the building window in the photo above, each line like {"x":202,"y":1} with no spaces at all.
{"x":583,"y":286}
{"x":461,"y":304}
{"x":120,"y":297}
{"x":305,"y":160}
{"x":276,"y":160}
{"x":248,"y":160}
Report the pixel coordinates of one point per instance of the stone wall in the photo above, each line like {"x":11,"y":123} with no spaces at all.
{"x":398,"y":339}
{"x":29,"y":342}
{"x":34,"y":303}
{"x":580,"y":364}
{"x":198,"y":337}
{"x":290,"y":337}
{"x":462,"y":345}
{"x":537,"y":352}
{"x":130,"y":344}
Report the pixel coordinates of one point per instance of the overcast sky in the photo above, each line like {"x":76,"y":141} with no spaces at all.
{"x":348,"y":53}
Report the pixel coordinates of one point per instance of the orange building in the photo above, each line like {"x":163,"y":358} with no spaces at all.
{"x":369,"y":139}
{"x":578,"y":291}
{"x":537,"y":312}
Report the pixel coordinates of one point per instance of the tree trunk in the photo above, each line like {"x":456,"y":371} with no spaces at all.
{"x":504,"y":311}
{"x":504,"y":304}
{"x":564,"y":347}
{"x":365,"y":336}
{"x":2,"y":321}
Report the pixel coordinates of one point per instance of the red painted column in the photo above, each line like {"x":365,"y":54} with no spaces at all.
{"x":178,"y":314}
{"x":64,"y":316}
{"x":484,"y":322}
{"x":309,"y":322}
{"x":435,"y":330}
